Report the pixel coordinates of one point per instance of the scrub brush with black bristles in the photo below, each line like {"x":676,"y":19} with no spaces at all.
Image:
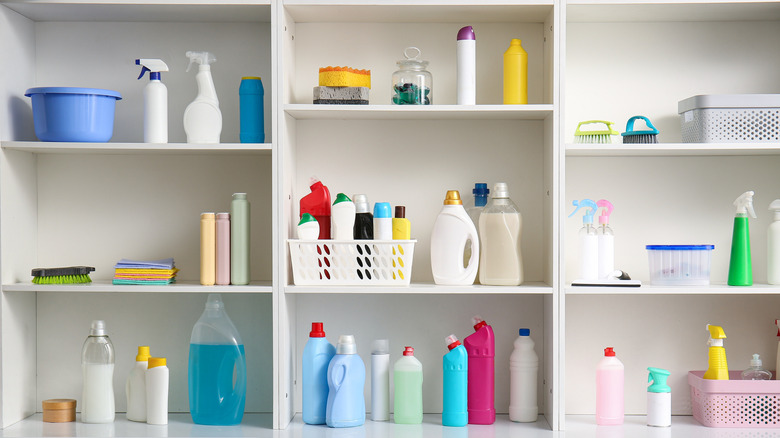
{"x":632,"y":136}
{"x":67,"y":275}
{"x":595,"y":137}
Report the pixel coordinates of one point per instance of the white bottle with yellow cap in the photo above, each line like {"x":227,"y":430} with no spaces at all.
{"x":157,"y":377}
{"x":452,"y":229}
{"x":135,"y":388}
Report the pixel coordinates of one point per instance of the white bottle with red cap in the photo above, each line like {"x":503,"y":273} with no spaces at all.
{"x":609,"y":389}
{"x":408,"y":380}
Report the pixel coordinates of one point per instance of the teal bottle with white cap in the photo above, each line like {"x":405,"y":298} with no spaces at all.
{"x":659,"y":398}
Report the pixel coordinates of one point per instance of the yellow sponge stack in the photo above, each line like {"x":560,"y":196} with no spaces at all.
{"x":344,"y":77}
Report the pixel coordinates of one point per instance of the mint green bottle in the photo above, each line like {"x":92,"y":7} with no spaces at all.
{"x":740,"y":263}
{"x":408,"y":379}
{"x":239,"y":239}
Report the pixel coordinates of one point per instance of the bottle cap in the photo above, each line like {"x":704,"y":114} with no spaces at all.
{"x":756,"y":361}
{"x":451,"y":341}
{"x":361,"y":203}
{"x":307,"y":218}
{"x":478,"y":322}
{"x":408,"y":351}
{"x":525,"y":332}
{"x":223,"y":216}
{"x":207,"y":216}
{"x":658,"y":376}
{"x":480,"y":192}
{"x":346,"y":345}
{"x":214,"y":301}
{"x":500,"y":190}
{"x":341,"y":198}
{"x":255,"y":78}
{"x":382,"y":210}
{"x":143,"y":354}
{"x":239,"y":195}
{"x":400,"y":211}
{"x":609,"y":352}
{"x":98,"y":328}
{"x":155,"y":362}
{"x":453,"y":198}
{"x":466,"y":33}
{"x":380,"y":346}
{"x":316,"y":330}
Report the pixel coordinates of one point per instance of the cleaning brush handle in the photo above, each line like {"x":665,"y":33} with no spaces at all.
{"x":607,"y":124}
{"x":650,"y":127}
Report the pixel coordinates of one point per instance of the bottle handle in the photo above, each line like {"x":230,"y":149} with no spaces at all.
{"x":338,"y":374}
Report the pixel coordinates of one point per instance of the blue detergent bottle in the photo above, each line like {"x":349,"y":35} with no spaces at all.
{"x":217,"y":368}
{"x":316,"y":357}
{"x":346,"y":379}
{"x":455,"y":384}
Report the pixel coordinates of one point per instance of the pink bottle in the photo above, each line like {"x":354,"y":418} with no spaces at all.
{"x":609,"y":389}
{"x":223,"y":249}
{"x":481,"y":347}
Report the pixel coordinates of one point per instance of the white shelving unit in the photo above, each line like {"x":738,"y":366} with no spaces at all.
{"x":81,"y":203}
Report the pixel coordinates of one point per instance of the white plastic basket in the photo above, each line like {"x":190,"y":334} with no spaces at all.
{"x":748,"y":118}
{"x":351,"y":262}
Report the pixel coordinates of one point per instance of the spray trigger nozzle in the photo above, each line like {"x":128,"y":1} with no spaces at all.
{"x":202,"y":58}
{"x":587,"y":218}
{"x":153,"y":66}
{"x":608,"y":207}
{"x":744,"y":204}
{"x":717,"y":335}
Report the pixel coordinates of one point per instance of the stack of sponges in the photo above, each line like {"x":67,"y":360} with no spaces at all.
{"x":343,"y":86}
{"x":145,"y":272}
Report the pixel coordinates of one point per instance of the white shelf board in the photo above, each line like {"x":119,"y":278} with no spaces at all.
{"x":42,"y":147}
{"x":648,"y":289}
{"x":422,"y":11}
{"x":179,"y":425}
{"x":683,"y":426}
{"x":419,"y":112}
{"x":671,"y":149}
{"x":600,"y":11}
{"x":188,"y":11}
{"x":424,"y":288}
{"x":430,"y":427}
{"x":105,"y":286}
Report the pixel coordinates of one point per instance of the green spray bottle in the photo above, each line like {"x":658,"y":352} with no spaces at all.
{"x":740,"y":263}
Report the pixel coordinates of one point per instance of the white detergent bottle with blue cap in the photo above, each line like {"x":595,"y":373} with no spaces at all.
{"x":202,"y":117}
{"x":606,"y":241}
{"x":155,"y":101}
{"x":588,"y":241}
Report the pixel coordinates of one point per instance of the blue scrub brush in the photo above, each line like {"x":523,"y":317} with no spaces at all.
{"x":631,"y":136}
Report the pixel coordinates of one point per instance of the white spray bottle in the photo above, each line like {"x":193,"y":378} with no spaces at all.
{"x":202,"y":118}
{"x":606,"y":241}
{"x":773,"y":245}
{"x":155,"y":101}
{"x":588,"y":241}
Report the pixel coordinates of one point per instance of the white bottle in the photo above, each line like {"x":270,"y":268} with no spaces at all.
{"x":342,"y":218}
{"x":380,"y":380}
{"x":523,"y":375}
{"x":588,"y":242}
{"x":157,"y":380}
{"x":383,"y":221}
{"x":451,"y":231}
{"x":659,"y":399}
{"x":308,"y":227}
{"x":97,"y":369}
{"x":202,"y":117}
{"x":606,"y":241}
{"x":155,"y":101}
{"x":500,"y":228}
{"x":773,"y":245}
{"x":135,"y":388}
{"x":467,"y":66}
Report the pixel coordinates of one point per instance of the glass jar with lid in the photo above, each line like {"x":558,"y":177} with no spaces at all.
{"x":412,"y":84}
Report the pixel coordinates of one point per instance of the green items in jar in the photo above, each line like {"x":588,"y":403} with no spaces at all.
{"x":412,"y":84}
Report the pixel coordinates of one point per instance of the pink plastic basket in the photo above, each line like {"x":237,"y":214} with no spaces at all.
{"x":735,"y":402}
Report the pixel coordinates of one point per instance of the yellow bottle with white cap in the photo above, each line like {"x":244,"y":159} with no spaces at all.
{"x":718,"y":368}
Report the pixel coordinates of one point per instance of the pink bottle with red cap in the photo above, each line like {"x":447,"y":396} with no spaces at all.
{"x":481,"y":347}
{"x":609,"y":389}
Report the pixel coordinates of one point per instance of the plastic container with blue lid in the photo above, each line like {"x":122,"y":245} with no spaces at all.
{"x":680,"y":265}
{"x":71,"y":114}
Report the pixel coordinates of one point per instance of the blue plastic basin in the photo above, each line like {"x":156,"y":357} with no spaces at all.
{"x":73,"y":114}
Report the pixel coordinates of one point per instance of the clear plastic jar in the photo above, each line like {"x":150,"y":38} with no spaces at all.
{"x":412,"y":84}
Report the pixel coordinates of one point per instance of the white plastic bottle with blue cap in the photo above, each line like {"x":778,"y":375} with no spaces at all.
{"x":588,"y":241}
{"x":659,"y":398}
{"x":155,"y":101}
{"x":383,"y":221}
{"x":523,"y":376}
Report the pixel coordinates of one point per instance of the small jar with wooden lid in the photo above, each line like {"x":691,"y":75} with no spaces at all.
{"x":59,"y":410}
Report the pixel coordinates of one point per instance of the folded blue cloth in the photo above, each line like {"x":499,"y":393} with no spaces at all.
{"x":142,"y":264}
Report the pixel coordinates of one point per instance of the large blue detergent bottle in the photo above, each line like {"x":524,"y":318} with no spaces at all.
{"x":316,"y":357}
{"x":217,"y":368}
{"x":455,"y":365}
{"x":346,"y":379}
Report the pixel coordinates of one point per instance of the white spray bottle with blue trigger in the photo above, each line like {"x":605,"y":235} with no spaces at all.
{"x":155,"y":101}
{"x":588,"y":241}
{"x":202,"y":118}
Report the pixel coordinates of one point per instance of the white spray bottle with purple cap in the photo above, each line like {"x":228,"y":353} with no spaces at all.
{"x":467,"y":66}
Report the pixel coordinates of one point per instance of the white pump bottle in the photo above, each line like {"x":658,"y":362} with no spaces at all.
{"x":773,"y":245}
{"x":155,"y":101}
{"x":202,"y":118}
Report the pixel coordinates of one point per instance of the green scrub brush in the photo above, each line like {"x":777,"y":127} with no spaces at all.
{"x":603,"y":136}
{"x":68,"y":275}
{"x":631,"y":136}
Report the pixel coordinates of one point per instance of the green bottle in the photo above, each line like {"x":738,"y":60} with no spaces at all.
{"x":239,"y":239}
{"x":740,"y":263}
{"x":408,"y":380}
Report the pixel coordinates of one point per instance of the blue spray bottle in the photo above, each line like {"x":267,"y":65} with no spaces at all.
{"x":316,"y":357}
{"x":455,"y":384}
{"x":346,"y":378}
{"x":588,"y":241}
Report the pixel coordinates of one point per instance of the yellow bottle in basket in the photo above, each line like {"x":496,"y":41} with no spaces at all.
{"x":718,"y":368}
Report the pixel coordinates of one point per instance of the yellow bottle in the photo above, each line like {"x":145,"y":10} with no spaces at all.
{"x":515,"y":74}
{"x":402,"y":228}
{"x":718,"y":368}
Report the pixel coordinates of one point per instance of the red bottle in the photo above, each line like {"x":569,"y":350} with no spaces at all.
{"x":317,"y":204}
